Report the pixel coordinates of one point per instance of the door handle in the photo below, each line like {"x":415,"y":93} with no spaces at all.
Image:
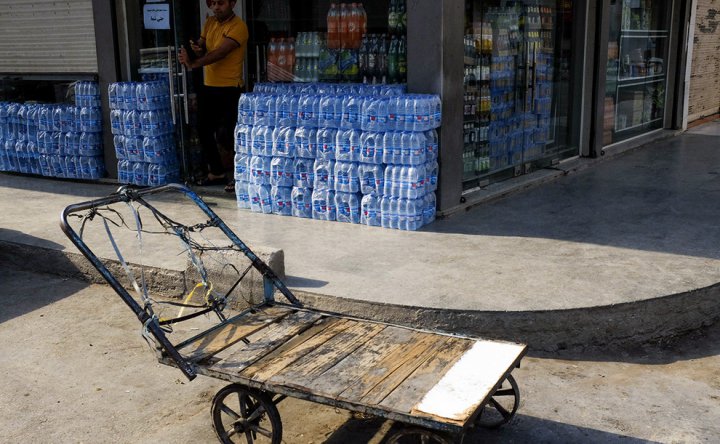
{"x":185,"y":94}
{"x":171,"y":82}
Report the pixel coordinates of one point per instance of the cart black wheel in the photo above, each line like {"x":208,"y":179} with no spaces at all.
{"x":417,"y":435}
{"x":244,"y":415}
{"x":502,"y":405}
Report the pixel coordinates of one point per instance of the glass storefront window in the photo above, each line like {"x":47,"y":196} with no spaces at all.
{"x":327,"y":41}
{"x":636,"y":68}
{"x":517,"y":87}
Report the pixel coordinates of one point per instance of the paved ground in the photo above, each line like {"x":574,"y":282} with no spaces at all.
{"x":74,"y":369}
{"x":633,"y":228}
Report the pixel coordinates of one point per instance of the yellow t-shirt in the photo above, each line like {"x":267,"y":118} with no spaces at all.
{"x":228,"y":71}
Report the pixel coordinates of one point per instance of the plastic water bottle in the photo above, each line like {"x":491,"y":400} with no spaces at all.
{"x":347,"y":177}
{"x":281,"y":200}
{"x":323,"y":204}
{"x":303,"y":175}
{"x":90,"y":144}
{"x":260,"y":170}
{"x":347,"y":207}
{"x":423,"y":112}
{"x":302,"y":204}
{"x":285,"y":144}
{"x":432,"y":145}
{"x":261,"y":109}
{"x":140,"y":173}
{"x":242,"y":195}
{"x":306,"y":142}
{"x":371,"y":178}
{"x":132,"y":124}
{"x":374,"y":114}
{"x":371,"y":149}
{"x":31,"y":126}
{"x":402,"y":214}
{"x":242,"y":168}
{"x":330,"y":109}
{"x":323,"y":174}
{"x":288,"y":110}
{"x":308,"y":110}
{"x":134,"y":148}
{"x":243,"y":138}
{"x":124,"y":171}
{"x":246,"y":109}
{"x":44,"y":161}
{"x":119,"y":144}
{"x":413,"y":214}
{"x":351,"y":110}
{"x":260,"y":201}
{"x":281,"y":172}
{"x":129,"y":96}
{"x":370,"y":210}
{"x":429,"y":208}
{"x":431,"y":176}
{"x":71,"y":167}
{"x":385,"y":212}
{"x":326,"y":139}
{"x":113,"y":95}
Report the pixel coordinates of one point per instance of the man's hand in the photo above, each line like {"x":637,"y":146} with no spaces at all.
{"x":184,"y":58}
{"x":197,"y":48}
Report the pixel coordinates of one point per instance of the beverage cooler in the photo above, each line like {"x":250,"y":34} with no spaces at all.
{"x":511,"y":101}
{"x":327,"y":42}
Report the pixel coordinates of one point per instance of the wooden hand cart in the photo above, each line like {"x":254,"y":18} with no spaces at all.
{"x":438,"y":385}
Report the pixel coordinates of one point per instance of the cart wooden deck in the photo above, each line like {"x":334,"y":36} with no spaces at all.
{"x":417,"y":377}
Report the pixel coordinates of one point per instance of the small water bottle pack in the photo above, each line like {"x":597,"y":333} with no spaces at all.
{"x":143,"y":132}
{"x":356,"y":153}
{"x":54,"y":140}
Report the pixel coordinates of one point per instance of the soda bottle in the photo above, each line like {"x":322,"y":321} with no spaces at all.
{"x":354,"y":24}
{"x":393,"y":17}
{"x":402,"y":60}
{"x":343,"y":26}
{"x":393,"y":60}
{"x":363,"y":19}
{"x":333,"y":27}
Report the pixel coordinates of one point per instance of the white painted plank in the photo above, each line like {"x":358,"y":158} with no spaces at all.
{"x":459,"y":393}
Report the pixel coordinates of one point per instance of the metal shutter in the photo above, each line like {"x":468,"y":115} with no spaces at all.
{"x":46,"y":36}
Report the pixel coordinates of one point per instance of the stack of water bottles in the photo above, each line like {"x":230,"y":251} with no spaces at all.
{"x":54,"y":140}
{"x":143,"y":132}
{"x":348,"y":152}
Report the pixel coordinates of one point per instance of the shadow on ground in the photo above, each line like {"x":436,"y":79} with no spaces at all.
{"x":653,"y":199}
{"x":521,"y":429}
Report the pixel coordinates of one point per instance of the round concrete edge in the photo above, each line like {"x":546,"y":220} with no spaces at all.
{"x":621,"y":324}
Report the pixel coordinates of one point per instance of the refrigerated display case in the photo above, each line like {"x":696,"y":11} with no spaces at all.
{"x":636,"y":74}
{"x":516,"y":89}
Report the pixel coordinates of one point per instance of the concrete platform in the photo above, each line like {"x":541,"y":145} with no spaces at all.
{"x":626,"y":250}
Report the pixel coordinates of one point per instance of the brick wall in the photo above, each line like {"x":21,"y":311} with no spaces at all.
{"x":705,"y":71}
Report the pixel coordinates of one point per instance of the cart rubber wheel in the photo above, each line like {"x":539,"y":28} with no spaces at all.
{"x":244,"y":415}
{"x":502,"y":405}
{"x":416,"y":435}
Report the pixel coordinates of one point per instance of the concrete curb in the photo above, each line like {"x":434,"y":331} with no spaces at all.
{"x":623,"y":324}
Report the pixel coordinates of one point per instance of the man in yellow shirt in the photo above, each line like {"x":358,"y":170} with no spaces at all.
{"x":221,"y":50}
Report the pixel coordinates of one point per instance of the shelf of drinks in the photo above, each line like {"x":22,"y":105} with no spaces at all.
{"x":157,"y":70}
{"x":644,"y":32}
{"x":640,"y":80}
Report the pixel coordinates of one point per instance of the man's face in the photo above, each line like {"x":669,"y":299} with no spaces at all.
{"x":222,"y":8}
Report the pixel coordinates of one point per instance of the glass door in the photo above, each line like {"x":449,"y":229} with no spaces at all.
{"x":166,"y":27}
{"x":517,"y":88}
{"x":635,"y":89}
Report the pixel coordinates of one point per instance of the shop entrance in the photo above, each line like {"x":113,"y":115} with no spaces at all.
{"x":165,"y":28}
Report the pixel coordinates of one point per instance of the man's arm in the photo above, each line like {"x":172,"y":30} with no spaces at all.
{"x":226,"y":46}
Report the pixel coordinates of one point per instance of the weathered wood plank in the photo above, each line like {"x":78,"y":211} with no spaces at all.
{"x":461,"y":391}
{"x":390,"y":370}
{"x":420,"y":354}
{"x":241,"y":355}
{"x":327,"y":355}
{"x":223,"y":337}
{"x":411,"y":390}
{"x":368,"y":360}
{"x":297,"y":348}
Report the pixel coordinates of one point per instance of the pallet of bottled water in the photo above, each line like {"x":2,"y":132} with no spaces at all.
{"x":364,"y":154}
{"x":143,"y":132}
{"x":54,"y":140}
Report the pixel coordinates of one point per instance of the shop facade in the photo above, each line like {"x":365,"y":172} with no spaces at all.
{"x":525,"y":85}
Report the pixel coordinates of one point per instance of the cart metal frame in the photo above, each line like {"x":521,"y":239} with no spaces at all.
{"x":283,"y":336}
